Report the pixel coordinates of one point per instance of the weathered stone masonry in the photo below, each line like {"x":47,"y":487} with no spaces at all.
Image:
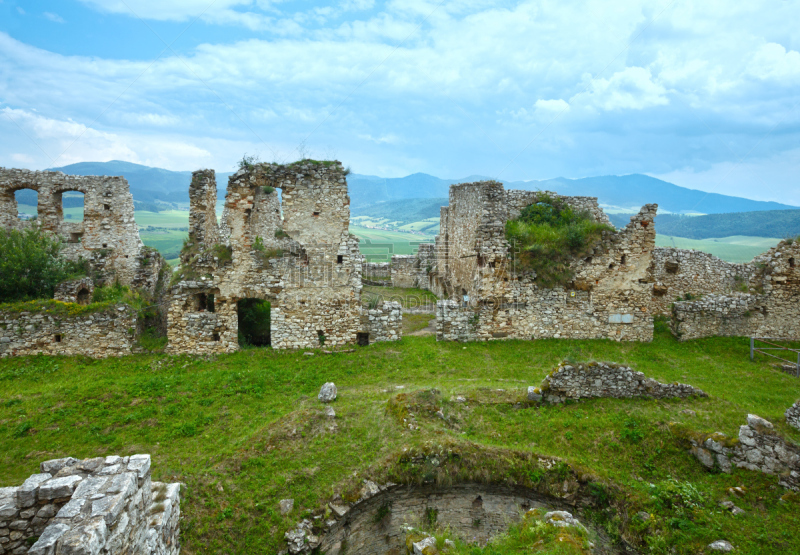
{"x":609,"y":296}
{"x":105,"y":505}
{"x":108,"y":224}
{"x":294,"y":251}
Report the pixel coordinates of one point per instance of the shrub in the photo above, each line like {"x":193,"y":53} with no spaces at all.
{"x":254,"y":322}
{"x":548,"y":235}
{"x":31,"y":265}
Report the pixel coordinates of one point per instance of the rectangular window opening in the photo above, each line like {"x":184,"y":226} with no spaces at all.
{"x":57,"y":338}
{"x":339,"y":259}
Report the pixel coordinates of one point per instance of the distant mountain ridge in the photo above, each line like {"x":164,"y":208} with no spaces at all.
{"x":628,"y":191}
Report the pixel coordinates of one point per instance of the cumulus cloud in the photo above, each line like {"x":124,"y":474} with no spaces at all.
{"x":632,"y":88}
{"x":54,"y":17}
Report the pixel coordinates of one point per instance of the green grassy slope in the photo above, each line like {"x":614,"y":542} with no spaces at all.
{"x":245,"y":430}
{"x":770,"y":223}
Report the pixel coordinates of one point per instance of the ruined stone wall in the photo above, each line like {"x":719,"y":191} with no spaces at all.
{"x":758,"y":448}
{"x":101,"y":505}
{"x":203,"y":226}
{"x":108,"y":224}
{"x":375,"y":270}
{"x":678,"y":272}
{"x":75,"y":291}
{"x":310,"y":271}
{"x":404,"y":270}
{"x":473,"y":512}
{"x":599,"y":379}
{"x":384,"y":323}
{"x":609,"y":296}
{"x":774,"y":311}
{"x":97,"y":334}
{"x":426,"y":266}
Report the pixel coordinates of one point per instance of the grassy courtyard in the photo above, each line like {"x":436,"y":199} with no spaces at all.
{"x":243,"y":431}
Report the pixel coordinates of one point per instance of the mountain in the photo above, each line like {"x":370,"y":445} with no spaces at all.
{"x":770,"y":223}
{"x":147,"y":184}
{"x":406,"y":210}
{"x":626,"y":191}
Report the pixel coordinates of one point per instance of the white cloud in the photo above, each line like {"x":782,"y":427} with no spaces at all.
{"x":54,"y":17}
{"x":773,"y":62}
{"x":389,"y":139}
{"x":630,"y":89}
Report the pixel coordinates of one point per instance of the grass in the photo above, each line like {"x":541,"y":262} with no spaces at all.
{"x":415,"y":322}
{"x":245,"y":430}
{"x":733,"y":249}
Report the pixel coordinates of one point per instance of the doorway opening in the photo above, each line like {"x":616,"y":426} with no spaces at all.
{"x":254,"y":322}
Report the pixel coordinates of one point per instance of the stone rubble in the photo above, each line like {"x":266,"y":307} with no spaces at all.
{"x":327,"y":392}
{"x":721,"y":545}
{"x":758,"y":448}
{"x":793,"y":415}
{"x":599,"y":379}
{"x":105,"y":505}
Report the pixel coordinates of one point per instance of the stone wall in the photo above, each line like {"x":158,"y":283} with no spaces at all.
{"x":108,"y":216}
{"x":599,"y":379}
{"x":293,"y":250}
{"x":473,"y":512}
{"x":375,"y":270}
{"x":426,"y":266}
{"x":758,"y":448}
{"x":676,"y":273}
{"x":609,"y":296}
{"x":203,"y":205}
{"x":404,"y":270}
{"x":772,"y":309}
{"x":103,"y":505}
{"x":53,"y":331}
{"x":384,"y":323}
{"x":75,"y":291}
{"x":793,"y":415}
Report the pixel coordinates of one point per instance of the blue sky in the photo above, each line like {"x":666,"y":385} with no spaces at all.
{"x":701,"y":93}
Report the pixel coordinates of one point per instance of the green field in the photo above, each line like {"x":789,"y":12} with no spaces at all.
{"x":379,"y":245}
{"x":245,"y":430}
{"x":733,"y":249}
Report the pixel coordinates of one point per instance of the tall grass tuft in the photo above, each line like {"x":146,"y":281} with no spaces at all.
{"x":548,"y":236}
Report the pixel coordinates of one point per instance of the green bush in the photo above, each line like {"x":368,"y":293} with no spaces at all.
{"x":548,"y":235}
{"x":31,"y":265}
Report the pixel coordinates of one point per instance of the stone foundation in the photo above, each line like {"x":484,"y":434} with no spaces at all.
{"x":103,"y":505}
{"x":404,"y":271}
{"x":384,"y":323}
{"x":793,"y":415}
{"x":599,"y":379}
{"x":110,"y":332}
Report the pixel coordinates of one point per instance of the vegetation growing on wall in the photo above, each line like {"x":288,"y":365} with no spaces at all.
{"x":31,"y":265}
{"x":548,"y":235}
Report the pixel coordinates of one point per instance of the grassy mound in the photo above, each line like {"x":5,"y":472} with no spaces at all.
{"x":548,"y":235}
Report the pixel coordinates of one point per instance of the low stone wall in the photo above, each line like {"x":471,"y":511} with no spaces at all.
{"x":599,"y":379}
{"x":370,"y":270}
{"x":737,"y":314}
{"x":758,"y":448}
{"x":384,"y":323}
{"x":793,"y":415}
{"x":110,"y":332}
{"x":404,"y":270}
{"x":75,"y":291}
{"x":103,"y":505}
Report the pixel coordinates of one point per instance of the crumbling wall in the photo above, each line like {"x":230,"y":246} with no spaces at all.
{"x":772,"y":311}
{"x":426,"y":266}
{"x":516,"y":200}
{"x":52,"y":330}
{"x":101,"y":505}
{"x":676,"y":273}
{"x":404,"y":270}
{"x":599,"y":379}
{"x":758,"y":448}
{"x":384,"y":323}
{"x":608,"y":297}
{"x":203,"y":205}
{"x":75,"y":291}
{"x":108,"y":224}
{"x":375,"y":270}
{"x":293,"y":250}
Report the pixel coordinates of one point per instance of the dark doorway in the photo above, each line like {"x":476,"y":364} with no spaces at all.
{"x":362,"y":339}
{"x":83,"y":296}
{"x":254,"y":322}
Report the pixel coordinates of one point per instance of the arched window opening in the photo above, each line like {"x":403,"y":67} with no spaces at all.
{"x":27,"y":204}
{"x":72,"y":205}
{"x":83,"y":296}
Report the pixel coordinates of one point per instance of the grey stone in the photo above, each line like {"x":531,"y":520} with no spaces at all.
{"x":55,"y":488}
{"x":124,"y":483}
{"x":327,"y":392}
{"x":26,"y":495}
{"x":109,"y":507}
{"x":9,"y":509}
{"x":721,"y":545}
{"x":112,"y":460}
{"x":758,"y":423}
{"x":54,"y":465}
{"x":329,"y":412}
{"x":47,"y":511}
{"x":534,"y":394}
{"x":286,"y":506}
{"x":792,"y":415}
{"x":140,"y":464}
{"x":72,"y":509}
{"x":562,"y":519}
{"x":47,"y":541}
{"x":419,"y":546}
{"x":90,"y":486}
{"x":85,"y":539}
{"x":704,"y":456}
{"x":338,"y":510}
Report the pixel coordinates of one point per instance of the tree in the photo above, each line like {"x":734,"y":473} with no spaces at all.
{"x":31,"y":264}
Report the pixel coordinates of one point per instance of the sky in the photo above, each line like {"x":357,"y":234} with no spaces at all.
{"x":700,"y":93}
